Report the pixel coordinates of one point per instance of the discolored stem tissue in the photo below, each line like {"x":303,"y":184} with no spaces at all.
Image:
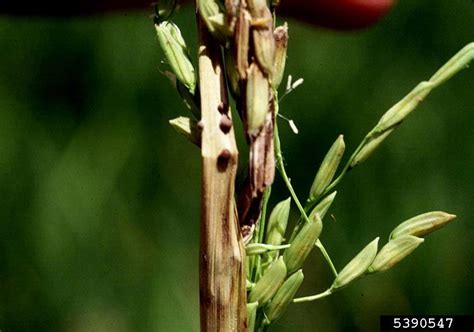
{"x":222,"y":273}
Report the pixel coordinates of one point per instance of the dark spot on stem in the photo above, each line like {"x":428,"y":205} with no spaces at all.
{"x":223,"y":108}
{"x":225,"y":124}
{"x":223,"y":160}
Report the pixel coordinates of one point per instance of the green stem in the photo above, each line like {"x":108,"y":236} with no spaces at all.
{"x":326,"y":257}
{"x":263,"y":216}
{"x":282,"y":170}
{"x":314,"y":297}
{"x":255,"y":262}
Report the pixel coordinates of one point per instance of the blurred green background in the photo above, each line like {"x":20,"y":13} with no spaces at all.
{"x":99,"y":198}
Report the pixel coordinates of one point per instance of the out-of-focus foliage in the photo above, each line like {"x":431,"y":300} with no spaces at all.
{"x":99,"y":198}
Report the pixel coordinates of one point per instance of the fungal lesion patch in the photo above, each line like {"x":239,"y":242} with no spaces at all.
{"x":223,"y":108}
{"x":223,"y":160}
{"x":225,"y":124}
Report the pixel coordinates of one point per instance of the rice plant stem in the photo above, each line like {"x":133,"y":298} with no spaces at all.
{"x":263,"y":215}
{"x":324,"y":252}
{"x":282,"y":170}
{"x":222,"y":295}
{"x":255,"y":262}
{"x":326,"y":293}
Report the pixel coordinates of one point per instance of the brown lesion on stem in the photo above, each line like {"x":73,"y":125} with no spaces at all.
{"x":222,"y":273}
{"x":254,"y":49}
{"x":261,"y":174}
